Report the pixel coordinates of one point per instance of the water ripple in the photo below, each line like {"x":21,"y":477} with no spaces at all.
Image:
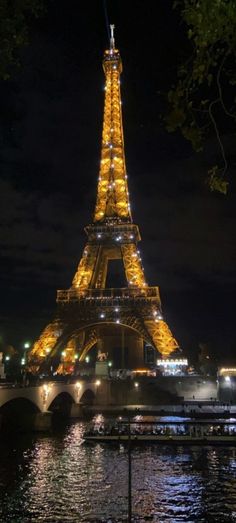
{"x":57,"y":480}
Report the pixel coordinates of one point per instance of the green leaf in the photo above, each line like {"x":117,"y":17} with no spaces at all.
{"x":216,"y":182}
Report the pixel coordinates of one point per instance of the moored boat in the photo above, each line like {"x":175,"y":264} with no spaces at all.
{"x":201,"y":432}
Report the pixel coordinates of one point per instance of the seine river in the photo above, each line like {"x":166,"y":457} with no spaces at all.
{"x":57,"y":478}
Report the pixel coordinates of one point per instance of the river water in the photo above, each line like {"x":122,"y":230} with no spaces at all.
{"x":57,"y":478}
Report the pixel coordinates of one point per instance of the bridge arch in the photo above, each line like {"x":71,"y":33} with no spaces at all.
{"x":61,"y":404}
{"x":55,"y":394}
{"x":18,"y":413}
{"x":88,"y":397}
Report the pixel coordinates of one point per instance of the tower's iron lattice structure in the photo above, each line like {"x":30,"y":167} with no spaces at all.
{"x":90,"y":314}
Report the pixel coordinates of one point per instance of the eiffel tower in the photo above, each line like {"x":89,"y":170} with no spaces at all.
{"x":90,"y":315}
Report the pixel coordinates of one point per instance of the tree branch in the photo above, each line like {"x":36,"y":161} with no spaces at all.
{"x":214,"y":102}
{"x":231,"y":115}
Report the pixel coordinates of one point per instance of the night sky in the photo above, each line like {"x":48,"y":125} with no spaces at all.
{"x":51,"y":121}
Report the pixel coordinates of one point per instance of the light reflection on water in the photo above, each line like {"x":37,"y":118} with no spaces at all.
{"x":57,"y":479}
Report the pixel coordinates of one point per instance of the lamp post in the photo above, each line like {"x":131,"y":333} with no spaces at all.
{"x":63,"y":354}
{"x":26,"y":347}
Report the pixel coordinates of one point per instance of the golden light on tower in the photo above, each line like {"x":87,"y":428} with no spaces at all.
{"x":112,"y":193}
{"x":89,"y":305}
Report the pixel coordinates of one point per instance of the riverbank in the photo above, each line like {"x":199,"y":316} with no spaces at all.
{"x":188,"y":409}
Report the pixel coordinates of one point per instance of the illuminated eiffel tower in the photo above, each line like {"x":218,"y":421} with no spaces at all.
{"x":117,"y":321}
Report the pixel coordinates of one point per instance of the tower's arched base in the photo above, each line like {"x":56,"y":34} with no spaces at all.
{"x":123,"y":346}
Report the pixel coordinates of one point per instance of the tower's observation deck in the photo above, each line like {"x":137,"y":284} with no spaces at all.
{"x":89,"y":305}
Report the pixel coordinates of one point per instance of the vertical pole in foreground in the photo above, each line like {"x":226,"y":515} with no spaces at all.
{"x":129,"y":477}
{"x":122,"y":348}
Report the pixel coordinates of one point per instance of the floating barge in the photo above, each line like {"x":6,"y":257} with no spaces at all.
{"x":176,"y":432}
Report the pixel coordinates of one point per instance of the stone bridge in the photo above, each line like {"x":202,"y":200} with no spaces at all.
{"x":42,"y":398}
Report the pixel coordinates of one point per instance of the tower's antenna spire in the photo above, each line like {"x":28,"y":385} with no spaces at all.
{"x":112,"y":39}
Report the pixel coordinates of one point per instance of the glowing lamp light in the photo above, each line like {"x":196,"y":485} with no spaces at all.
{"x":63,"y":353}
{"x":117,"y":321}
{"x":109,"y":363}
{"x":136,"y":384}
{"x":102,"y":315}
{"x":227,"y":371}
{"x":227,"y":379}
{"x":98,"y":383}
{"x":87,"y":359}
{"x":26,"y":345}
{"x":7,"y":358}
{"x":45,"y":391}
{"x":22,"y":361}
{"x":172,"y":362}
{"x":46,"y":388}
{"x":76,"y":356}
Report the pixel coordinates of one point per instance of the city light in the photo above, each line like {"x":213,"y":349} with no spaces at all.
{"x":98,"y":383}
{"x":26,"y":345}
{"x":136,"y":384}
{"x":45,"y":391}
{"x":228,"y":371}
{"x":77,"y":387}
{"x":87,"y":359}
{"x":166,"y":362}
